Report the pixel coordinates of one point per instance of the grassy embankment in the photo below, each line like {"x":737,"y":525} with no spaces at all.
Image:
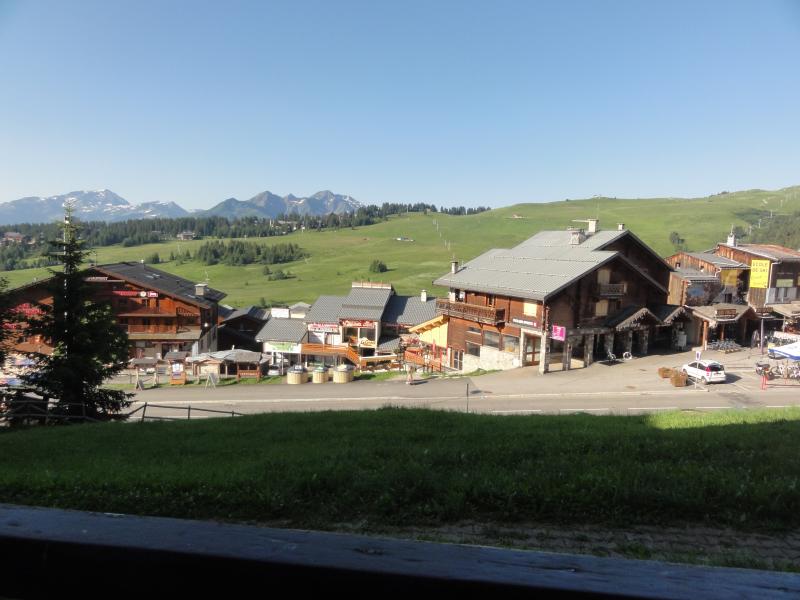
{"x":414,"y":467}
{"x":339,"y":257}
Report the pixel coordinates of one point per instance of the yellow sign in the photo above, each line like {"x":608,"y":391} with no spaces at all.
{"x":759,"y":274}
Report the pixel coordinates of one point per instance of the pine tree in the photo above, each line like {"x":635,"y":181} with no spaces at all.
{"x":88,"y":346}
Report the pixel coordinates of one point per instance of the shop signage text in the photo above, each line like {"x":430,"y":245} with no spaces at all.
{"x":323,"y":327}
{"x":132,"y":293}
{"x":526,"y":322}
{"x":352,"y":323}
{"x":559,"y":333}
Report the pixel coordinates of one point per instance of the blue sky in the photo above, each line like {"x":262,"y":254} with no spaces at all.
{"x":453,"y":103}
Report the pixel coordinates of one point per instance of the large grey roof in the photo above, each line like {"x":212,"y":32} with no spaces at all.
{"x":365,"y":303}
{"x":538,"y":267}
{"x":168,"y":283}
{"x":282,"y":330}
{"x":530,"y":272}
{"x":561,"y":239}
{"x":409,"y":310}
{"x":325,"y":310}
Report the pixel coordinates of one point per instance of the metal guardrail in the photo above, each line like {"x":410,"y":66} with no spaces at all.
{"x":189,"y":409}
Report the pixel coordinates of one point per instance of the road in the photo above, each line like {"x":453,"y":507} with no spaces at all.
{"x":623,"y":388}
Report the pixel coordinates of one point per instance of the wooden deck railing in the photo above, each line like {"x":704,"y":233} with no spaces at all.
{"x":473,"y":312}
{"x":331,"y":350}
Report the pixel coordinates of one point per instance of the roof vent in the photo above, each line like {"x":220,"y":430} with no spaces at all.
{"x":576,"y":237}
{"x":732,"y":241}
{"x":200,"y":289}
{"x":423,"y":296}
{"x":620,"y":226}
{"x":592,"y":225}
{"x":454,"y":266}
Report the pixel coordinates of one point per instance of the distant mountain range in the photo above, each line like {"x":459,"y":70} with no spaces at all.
{"x":105,"y":205}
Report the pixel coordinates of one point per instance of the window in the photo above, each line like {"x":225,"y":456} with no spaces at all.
{"x":601,"y":308}
{"x":458,"y":359}
{"x":604,"y":276}
{"x":474,"y":330}
{"x":530,"y":309}
{"x":490,"y":300}
{"x":510,"y":344}
{"x":491,"y":339}
{"x":473,"y":349}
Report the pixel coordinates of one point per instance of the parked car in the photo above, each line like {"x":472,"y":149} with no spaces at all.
{"x":710,"y":371}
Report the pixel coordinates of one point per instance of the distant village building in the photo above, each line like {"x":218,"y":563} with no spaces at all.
{"x":186,"y":235}
{"x":13,"y":237}
{"x":559,"y":298}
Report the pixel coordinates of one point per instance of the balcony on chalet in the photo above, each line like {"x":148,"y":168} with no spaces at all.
{"x":610,"y":290}
{"x":159,"y":328}
{"x":481,"y":314}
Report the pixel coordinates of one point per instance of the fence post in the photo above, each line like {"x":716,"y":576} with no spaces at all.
{"x":467,"y":398}
{"x":144,"y":410}
{"x":189,"y":412}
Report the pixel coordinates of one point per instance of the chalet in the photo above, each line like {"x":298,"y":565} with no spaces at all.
{"x":701,"y":278}
{"x":774,"y":271}
{"x":571,"y":294}
{"x":186,"y":235}
{"x":161,"y":312}
{"x":238,"y":328}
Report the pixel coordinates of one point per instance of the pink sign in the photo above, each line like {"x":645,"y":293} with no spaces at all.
{"x":559,"y":333}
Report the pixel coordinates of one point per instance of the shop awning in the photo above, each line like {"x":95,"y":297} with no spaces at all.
{"x":790,"y":311}
{"x":721,"y":313}
{"x":632,"y":317}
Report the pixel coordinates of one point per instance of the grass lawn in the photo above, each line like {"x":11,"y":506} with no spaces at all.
{"x":336,"y":258}
{"x":397,"y":467}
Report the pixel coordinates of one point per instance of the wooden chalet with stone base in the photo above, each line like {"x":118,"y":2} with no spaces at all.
{"x":160,"y":312}
{"x":564,"y":298}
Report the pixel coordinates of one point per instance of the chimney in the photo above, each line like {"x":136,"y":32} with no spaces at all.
{"x":423,"y":296}
{"x":200,"y":289}
{"x":620,"y":226}
{"x":732,"y":238}
{"x":592,"y":226}
{"x":576,"y":237}
{"x":454,"y":266}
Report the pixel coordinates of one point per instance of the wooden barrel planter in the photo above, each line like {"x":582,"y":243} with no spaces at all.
{"x":679,"y":379}
{"x":665,"y":372}
{"x":319,"y":376}
{"x":296,"y":377}
{"x":343,"y":375}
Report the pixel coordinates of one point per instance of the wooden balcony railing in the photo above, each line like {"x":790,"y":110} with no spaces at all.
{"x":331,"y":350}
{"x":610,"y":290}
{"x":158,"y":328}
{"x":472,"y":312}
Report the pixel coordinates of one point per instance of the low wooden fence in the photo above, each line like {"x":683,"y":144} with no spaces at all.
{"x":142,"y":412}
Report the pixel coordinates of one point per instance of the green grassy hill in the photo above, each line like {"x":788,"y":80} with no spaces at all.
{"x":338,"y":257}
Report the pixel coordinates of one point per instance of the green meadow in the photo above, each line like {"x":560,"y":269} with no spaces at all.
{"x":395,"y":467}
{"x":336,"y":258}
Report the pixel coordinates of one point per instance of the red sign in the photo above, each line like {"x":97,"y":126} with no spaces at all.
{"x":28,"y":310}
{"x":351,"y":323}
{"x":559,"y":333}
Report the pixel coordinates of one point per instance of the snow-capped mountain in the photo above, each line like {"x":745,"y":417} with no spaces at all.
{"x":267,"y":204}
{"x":105,"y":205}
{"x":93,"y":205}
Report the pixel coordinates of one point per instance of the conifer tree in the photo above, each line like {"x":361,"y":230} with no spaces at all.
{"x":88,"y":345}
